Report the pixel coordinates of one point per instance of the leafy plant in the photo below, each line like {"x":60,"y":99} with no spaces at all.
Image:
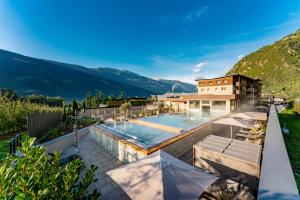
{"x":125,"y":107}
{"x":296,"y":108}
{"x":13,"y":114}
{"x":37,"y":175}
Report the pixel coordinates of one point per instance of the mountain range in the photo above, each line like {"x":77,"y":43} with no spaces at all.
{"x":27,"y":75}
{"x":277,"y":65}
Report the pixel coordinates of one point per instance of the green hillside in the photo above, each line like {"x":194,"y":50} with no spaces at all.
{"x":277,"y":65}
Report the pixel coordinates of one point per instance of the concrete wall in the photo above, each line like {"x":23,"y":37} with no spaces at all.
{"x":118,"y":148}
{"x":276,"y":180}
{"x":184,"y":145}
{"x":63,"y":142}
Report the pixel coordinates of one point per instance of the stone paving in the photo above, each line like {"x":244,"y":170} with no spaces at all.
{"x":91,"y":153}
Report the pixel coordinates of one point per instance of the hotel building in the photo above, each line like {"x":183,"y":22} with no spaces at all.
{"x":223,"y":94}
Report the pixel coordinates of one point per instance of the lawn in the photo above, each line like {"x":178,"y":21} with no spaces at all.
{"x":292,"y":141}
{"x":4,"y":144}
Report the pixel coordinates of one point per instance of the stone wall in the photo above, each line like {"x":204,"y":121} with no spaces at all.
{"x":120,"y":149}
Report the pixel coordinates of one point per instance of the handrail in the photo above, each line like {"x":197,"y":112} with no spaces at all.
{"x":276,"y":180}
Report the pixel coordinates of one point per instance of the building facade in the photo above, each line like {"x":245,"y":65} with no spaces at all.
{"x":223,"y":94}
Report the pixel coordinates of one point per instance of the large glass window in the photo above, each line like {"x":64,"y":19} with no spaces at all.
{"x":194,"y":104}
{"x":219,"y":105}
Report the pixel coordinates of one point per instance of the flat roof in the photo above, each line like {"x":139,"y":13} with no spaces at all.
{"x":174,"y":99}
{"x":199,"y":79}
{"x":209,"y":97}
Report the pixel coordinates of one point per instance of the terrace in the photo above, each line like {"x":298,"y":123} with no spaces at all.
{"x":108,"y":150}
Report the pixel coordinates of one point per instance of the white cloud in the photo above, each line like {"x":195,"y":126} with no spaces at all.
{"x":199,"y":66}
{"x":196,"y":70}
{"x":195,"y":14}
{"x":240,"y":56}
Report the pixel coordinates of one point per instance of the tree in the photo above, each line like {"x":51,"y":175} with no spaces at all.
{"x":38,"y":175}
{"x":64,"y":114}
{"x":121,"y":96}
{"x":9,"y":94}
{"x":83,"y":105}
{"x":296,"y":108}
{"x":98,"y":99}
{"x":74,"y":107}
{"x":69,"y":110}
{"x":125,"y":107}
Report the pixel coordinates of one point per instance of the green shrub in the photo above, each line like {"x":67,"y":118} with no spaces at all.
{"x":38,"y":175}
{"x":13,"y":114}
{"x":296,"y":108}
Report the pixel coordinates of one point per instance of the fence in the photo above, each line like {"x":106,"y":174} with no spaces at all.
{"x":108,"y":112}
{"x":40,"y":122}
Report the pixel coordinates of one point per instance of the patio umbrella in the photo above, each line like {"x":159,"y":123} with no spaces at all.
{"x":258,"y":116}
{"x":234,"y":122}
{"x":161,"y":176}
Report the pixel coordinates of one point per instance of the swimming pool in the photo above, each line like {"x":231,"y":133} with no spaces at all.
{"x":143,"y":136}
{"x":182,"y":121}
{"x":134,"y":139}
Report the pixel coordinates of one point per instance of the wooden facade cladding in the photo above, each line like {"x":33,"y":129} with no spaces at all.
{"x":228,"y":80}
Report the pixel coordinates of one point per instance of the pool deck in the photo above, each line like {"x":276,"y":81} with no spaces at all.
{"x":91,"y":153}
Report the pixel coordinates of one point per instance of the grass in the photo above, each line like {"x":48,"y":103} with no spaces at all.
{"x":292,"y":141}
{"x":4,"y":148}
{"x":4,"y":143}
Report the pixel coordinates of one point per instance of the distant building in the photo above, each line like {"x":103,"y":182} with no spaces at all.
{"x":223,"y":94}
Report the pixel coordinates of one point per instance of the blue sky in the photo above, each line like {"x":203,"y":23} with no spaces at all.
{"x":161,"y":39}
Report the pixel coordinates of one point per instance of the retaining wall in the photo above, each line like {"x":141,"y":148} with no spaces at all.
{"x":63,"y":142}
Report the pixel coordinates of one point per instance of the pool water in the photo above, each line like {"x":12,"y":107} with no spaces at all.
{"x":143,"y":136}
{"x":146,"y":136}
{"x":182,"y":121}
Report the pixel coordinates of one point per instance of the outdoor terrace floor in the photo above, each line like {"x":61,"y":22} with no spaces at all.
{"x":91,"y":153}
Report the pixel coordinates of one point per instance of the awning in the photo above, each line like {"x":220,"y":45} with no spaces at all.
{"x":234,"y":122}
{"x":258,"y":116}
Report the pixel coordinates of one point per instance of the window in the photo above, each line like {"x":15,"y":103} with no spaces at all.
{"x":194,"y":104}
{"x":216,"y":89}
{"x":207,"y":89}
{"x":225,"y":81}
{"x":218,"y":82}
{"x":223,"y":88}
{"x":209,"y":82}
{"x":219,"y":105}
